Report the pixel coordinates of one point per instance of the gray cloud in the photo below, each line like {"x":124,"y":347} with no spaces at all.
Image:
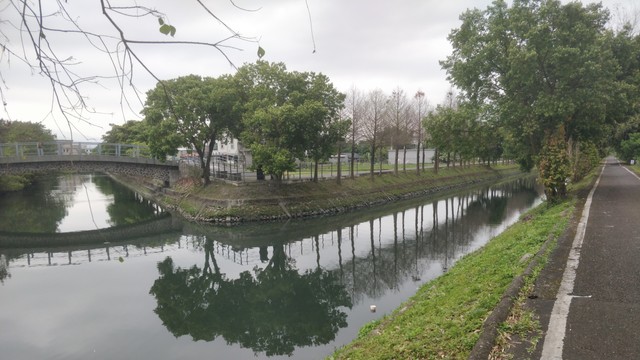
{"x":363,"y":43}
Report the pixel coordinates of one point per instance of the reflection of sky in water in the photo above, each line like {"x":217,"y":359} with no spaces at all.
{"x":103,"y":310}
{"x":71,"y":203}
{"x":88,"y":209}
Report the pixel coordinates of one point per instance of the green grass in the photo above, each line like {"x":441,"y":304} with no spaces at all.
{"x":443,"y":319}
{"x":522,"y":322}
{"x":635,"y":168}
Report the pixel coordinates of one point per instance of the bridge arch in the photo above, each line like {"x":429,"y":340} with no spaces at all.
{"x":126,"y":159}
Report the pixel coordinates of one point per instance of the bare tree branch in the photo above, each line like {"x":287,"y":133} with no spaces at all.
{"x":37,"y":27}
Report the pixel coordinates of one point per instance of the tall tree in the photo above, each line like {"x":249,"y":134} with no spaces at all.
{"x":288,"y":115}
{"x":421,"y":107}
{"x":354,"y":110}
{"x":397,"y":107}
{"x":194,"y":112}
{"x":439,"y":125}
{"x":625,"y":114}
{"x":546,"y":67}
{"x":273,"y":126}
{"x":131,"y":132}
{"x":325,"y":127}
{"x":374,"y":123}
{"x":24,"y":131}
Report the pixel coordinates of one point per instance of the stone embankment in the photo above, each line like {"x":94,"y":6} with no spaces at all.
{"x":260,"y":202}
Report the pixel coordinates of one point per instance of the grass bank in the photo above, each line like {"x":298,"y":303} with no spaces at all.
{"x":445,"y":317}
{"x":267,"y":201}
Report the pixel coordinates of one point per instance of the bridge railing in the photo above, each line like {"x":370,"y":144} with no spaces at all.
{"x":61,"y":148}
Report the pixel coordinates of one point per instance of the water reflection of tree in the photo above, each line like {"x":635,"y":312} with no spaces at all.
{"x":128,"y":207}
{"x":448,"y":229}
{"x":4,"y":268}
{"x":271,"y":310}
{"x":36,"y":209}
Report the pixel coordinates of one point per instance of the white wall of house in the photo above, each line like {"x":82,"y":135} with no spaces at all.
{"x":233,"y":148}
{"x":344,"y":158}
{"x":412,"y":156}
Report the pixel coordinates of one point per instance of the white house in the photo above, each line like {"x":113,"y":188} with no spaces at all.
{"x":344,"y":158}
{"x":412,"y":156}
{"x":232,"y":151}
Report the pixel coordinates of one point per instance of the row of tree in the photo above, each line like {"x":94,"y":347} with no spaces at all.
{"x":280,"y":115}
{"x":545,"y":83}
{"x":560,"y":85}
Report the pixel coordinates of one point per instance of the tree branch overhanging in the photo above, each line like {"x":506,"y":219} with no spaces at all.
{"x":36,"y":33}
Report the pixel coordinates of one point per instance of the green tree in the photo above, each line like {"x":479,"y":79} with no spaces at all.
{"x":131,"y":132}
{"x":630,"y":148}
{"x":324,"y":127}
{"x":439,"y":125}
{"x":541,"y":65}
{"x":24,"y":131}
{"x":192,"y":111}
{"x":288,"y":115}
{"x":273,"y":128}
{"x":554,"y":165}
{"x":21,"y":131}
{"x":625,"y":113}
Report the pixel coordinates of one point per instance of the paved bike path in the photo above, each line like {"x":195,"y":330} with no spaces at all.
{"x":603,"y":321}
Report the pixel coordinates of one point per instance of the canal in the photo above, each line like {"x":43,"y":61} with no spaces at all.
{"x":298,"y":289}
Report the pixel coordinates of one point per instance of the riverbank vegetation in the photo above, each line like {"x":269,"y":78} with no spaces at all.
{"x":444,"y":318}
{"x":267,"y":201}
{"x":20,"y":131}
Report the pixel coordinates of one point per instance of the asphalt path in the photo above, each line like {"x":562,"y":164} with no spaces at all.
{"x":601,"y":317}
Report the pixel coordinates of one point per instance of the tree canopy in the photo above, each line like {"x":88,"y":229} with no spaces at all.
{"x":24,"y":131}
{"x":192,"y":111}
{"x":131,"y":132}
{"x":546,"y":68}
{"x":288,"y":115}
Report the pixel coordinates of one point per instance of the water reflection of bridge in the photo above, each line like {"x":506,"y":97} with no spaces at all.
{"x":114,"y":252}
{"x":160,"y":224}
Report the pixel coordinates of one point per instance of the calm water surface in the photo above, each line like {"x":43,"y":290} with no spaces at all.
{"x":283,"y":290}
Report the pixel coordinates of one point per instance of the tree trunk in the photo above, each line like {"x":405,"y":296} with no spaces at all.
{"x":373,"y":160}
{"x":418,"y":160}
{"x":353,"y":155}
{"x":339,"y":171}
{"x":395,"y":164}
{"x":380,"y":161}
{"x":315,"y":171}
{"x":404,"y":159}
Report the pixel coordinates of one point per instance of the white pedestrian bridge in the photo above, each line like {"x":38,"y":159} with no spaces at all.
{"x":70,"y":156}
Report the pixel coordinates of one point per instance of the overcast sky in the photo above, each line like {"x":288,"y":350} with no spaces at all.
{"x":362,"y":43}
